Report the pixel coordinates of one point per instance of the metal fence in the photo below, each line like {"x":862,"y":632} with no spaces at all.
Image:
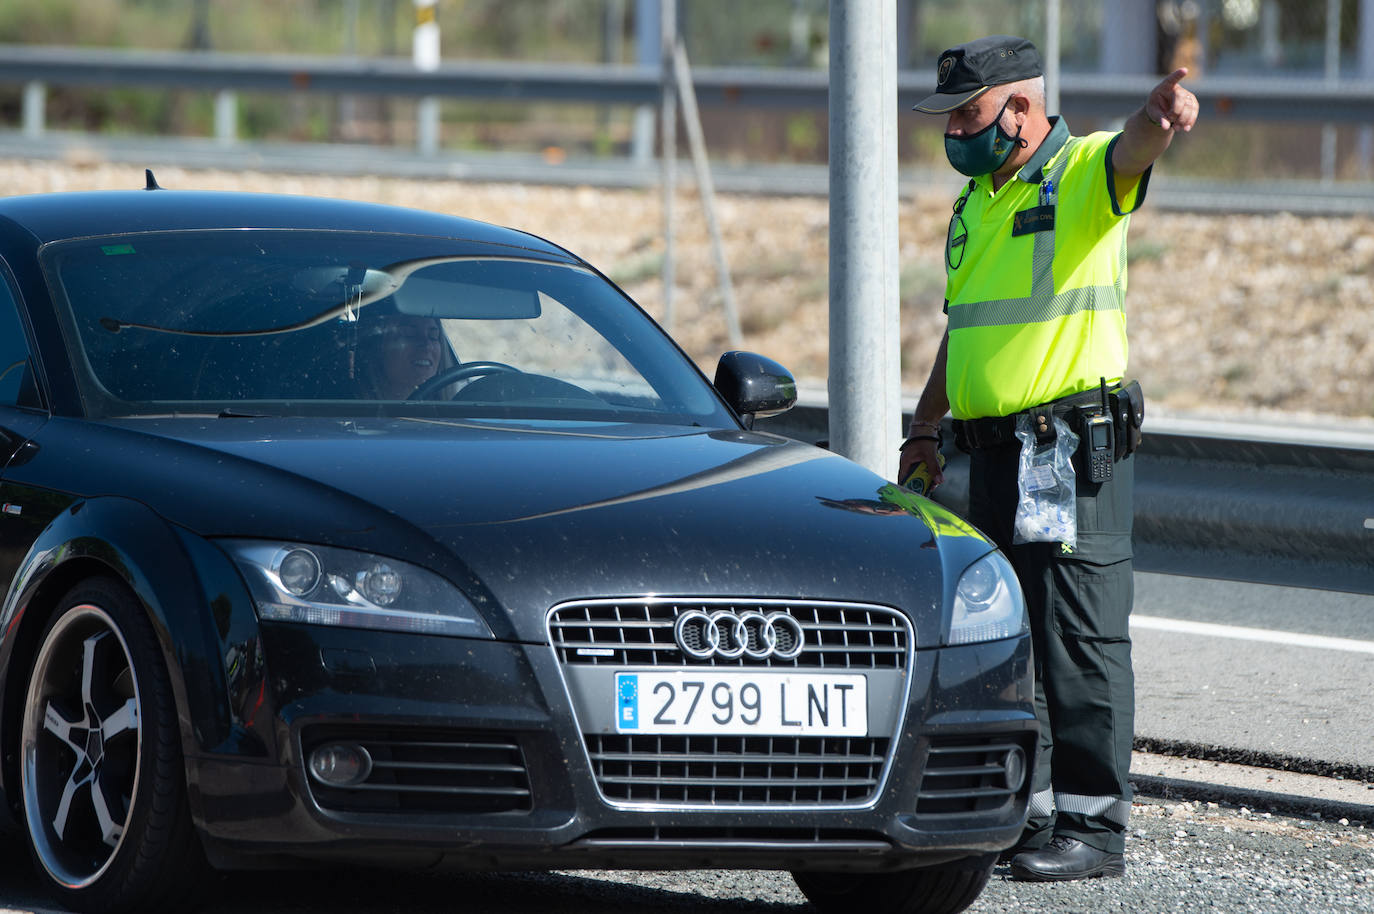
{"x":1225,"y":100}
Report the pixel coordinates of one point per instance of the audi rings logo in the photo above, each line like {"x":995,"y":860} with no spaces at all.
{"x":729,"y":635}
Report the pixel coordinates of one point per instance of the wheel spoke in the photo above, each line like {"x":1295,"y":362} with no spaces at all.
{"x":110,"y":830}
{"x":64,"y":805}
{"x":126,"y":718}
{"x":60,"y":727}
{"x":88,"y":660}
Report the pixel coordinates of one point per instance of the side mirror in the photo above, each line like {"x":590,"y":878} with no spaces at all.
{"x":754,"y":386}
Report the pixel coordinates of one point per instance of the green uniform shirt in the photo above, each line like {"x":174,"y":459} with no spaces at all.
{"x":1036,"y":278}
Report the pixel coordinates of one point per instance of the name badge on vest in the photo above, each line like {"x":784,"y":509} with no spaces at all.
{"x":1035,"y":219}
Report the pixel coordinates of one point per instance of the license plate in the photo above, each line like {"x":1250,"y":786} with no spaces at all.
{"x":733,"y":704}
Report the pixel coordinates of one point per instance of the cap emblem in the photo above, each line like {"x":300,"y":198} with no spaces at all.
{"x":942,"y":74}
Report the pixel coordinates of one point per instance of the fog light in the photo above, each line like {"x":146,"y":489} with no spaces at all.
{"x":340,"y":764}
{"x":1014,"y":769}
{"x":299,"y":571}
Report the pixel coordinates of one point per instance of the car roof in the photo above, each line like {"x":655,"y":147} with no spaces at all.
{"x":80,"y":214}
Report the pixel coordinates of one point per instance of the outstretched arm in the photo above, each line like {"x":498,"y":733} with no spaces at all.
{"x":1168,"y":109}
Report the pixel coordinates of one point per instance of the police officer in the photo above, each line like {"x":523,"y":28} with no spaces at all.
{"x":1035,"y":295}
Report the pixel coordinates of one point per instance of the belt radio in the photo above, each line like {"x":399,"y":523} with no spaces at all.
{"x":1099,"y":441}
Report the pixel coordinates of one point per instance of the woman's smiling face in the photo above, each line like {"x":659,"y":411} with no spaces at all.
{"x":410,"y":354}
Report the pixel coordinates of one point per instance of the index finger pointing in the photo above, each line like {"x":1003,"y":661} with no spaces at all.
{"x":1174,"y":78}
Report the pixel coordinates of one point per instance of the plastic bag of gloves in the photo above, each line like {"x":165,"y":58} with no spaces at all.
{"x":1046,"y":511}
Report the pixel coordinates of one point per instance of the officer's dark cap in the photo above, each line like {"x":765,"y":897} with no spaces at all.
{"x":969,"y":70}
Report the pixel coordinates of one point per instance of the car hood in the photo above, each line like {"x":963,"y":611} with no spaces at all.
{"x":526,"y":515}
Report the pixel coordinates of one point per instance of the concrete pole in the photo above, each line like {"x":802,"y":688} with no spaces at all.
{"x":865,"y":352}
{"x":668,"y":158}
{"x":425,"y":54}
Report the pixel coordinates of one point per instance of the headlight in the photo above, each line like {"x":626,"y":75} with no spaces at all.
{"x":987,"y":603}
{"x":321,"y":585}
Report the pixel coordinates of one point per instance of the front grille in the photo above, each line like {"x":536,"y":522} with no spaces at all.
{"x":426,"y":771}
{"x":838,"y":636}
{"x":737,"y":770}
{"x":968,"y":775}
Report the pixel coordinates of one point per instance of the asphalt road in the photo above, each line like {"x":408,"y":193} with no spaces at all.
{"x":1293,"y":702}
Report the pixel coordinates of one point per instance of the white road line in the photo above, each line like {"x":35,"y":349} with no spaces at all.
{"x":1296,"y":639}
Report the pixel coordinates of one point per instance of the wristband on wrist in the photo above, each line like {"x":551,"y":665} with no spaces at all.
{"x":910,"y":438}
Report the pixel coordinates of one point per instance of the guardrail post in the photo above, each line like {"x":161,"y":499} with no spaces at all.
{"x":35,"y":108}
{"x":425,"y":54}
{"x":226,"y":117}
{"x":648,"y":42}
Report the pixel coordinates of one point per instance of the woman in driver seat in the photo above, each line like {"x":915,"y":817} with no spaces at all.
{"x":397,"y":353}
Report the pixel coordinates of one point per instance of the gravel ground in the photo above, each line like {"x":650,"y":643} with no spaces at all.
{"x":1181,"y":856}
{"x":1254,"y":316}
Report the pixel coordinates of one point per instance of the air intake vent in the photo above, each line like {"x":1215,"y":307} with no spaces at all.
{"x":967,"y":775}
{"x":426,"y":771}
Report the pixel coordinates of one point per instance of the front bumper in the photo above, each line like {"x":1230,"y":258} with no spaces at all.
{"x":490,"y":771}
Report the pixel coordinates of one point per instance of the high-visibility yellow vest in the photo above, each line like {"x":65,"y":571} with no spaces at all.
{"x":1036,"y":278}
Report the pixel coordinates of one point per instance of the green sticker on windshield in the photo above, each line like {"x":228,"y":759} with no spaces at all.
{"x":117,"y":248}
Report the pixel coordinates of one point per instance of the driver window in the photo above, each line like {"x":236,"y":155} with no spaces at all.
{"x":17,"y":384}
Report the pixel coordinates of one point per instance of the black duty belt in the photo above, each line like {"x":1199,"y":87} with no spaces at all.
{"x":996,"y":431}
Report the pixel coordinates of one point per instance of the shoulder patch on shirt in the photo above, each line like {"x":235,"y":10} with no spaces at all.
{"x":1035,"y":219}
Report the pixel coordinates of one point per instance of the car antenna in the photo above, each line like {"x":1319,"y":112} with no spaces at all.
{"x":152,"y":181}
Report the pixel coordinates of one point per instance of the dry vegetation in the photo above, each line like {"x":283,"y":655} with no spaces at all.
{"x":1260,"y":316}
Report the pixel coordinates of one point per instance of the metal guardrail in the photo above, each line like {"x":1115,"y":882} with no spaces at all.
{"x":36,"y":67}
{"x":1222,"y":98}
{"x":1224,"y":500}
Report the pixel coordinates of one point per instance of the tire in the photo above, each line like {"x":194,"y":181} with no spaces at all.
{"x":102,"y":780}
{"x":945,"y":889}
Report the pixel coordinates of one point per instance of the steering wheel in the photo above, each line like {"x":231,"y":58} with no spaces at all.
{"x":456,"y":373}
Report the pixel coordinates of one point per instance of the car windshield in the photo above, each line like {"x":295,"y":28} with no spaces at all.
{"x":257,"y":322}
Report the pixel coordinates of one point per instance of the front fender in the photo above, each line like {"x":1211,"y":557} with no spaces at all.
{"x":186,"y":585}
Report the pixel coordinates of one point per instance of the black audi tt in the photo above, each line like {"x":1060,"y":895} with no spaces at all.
{"x":334,"y":532}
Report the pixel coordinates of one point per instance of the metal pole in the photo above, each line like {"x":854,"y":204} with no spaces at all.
{"x":425,"y":54}
{"x":1052,"y":56}
{"x":696,"y":141}
{"x":865,"y":355}
{"x":668,"y":157}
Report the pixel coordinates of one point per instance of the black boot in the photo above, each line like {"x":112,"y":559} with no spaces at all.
{"x":1066,"y":858}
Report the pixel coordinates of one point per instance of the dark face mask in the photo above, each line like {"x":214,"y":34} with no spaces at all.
{"x":983,"y":152}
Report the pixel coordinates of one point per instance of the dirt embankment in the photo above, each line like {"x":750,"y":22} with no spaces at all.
{"x":1256,"y":316}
